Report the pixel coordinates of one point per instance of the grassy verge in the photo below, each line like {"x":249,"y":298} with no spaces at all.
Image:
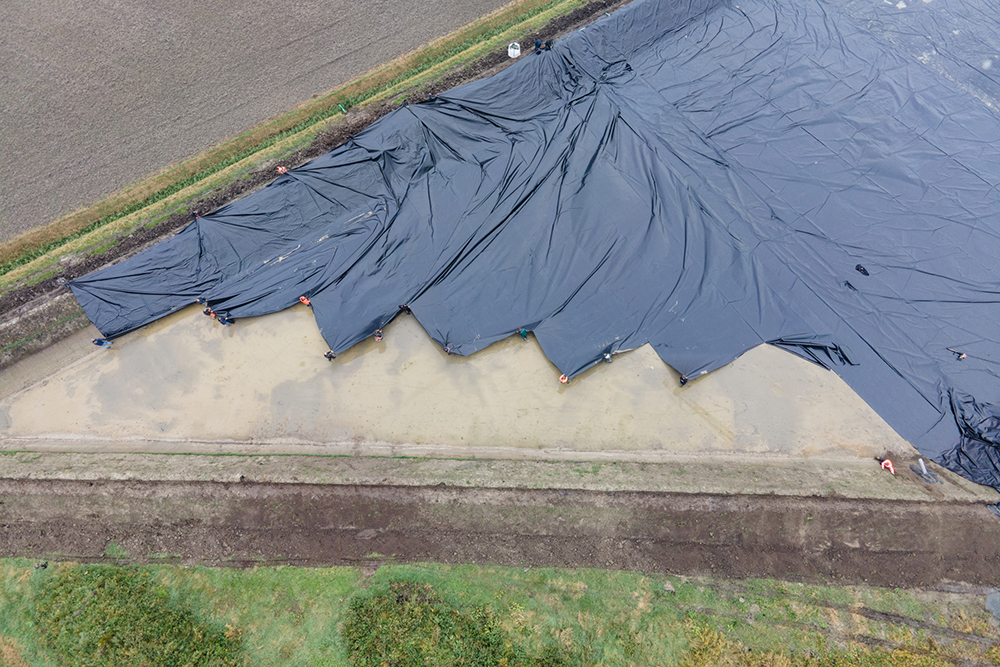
{"x":98,"y":227}
{"x":437,"y":614}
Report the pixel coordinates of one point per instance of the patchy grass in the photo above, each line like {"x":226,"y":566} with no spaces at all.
{"x":10,"y":653}
{"x":115,"y":551}
{"x":42,"y":276}
{"x":710,"y":648}
{"x":409,"y":624}
{"x":281,"y":616}
{"x":447,"y":615}
{"x":102,"y":615}
{"x":35,"y":334}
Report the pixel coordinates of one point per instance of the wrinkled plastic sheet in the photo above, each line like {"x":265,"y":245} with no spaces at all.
{"x":703,"y":176}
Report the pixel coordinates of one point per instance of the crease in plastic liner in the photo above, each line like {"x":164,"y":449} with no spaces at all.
{"x":701,"y":176}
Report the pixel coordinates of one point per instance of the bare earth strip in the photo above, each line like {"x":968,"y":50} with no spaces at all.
{"x":99,"y":94}
{"x":897,"y":543}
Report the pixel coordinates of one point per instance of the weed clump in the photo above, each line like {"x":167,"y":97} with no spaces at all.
{"x":710,"y":648}
{"x":99,"y":615}
{"x":409,"y":624}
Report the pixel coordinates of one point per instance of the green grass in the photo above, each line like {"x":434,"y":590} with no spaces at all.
{"x":100,"y":615}
{"x":409,"y":624}
{"x":299,"y":616}
{"x":108,"y":245}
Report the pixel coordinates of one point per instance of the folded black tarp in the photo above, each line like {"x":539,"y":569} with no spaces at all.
{"x":703,"y":176}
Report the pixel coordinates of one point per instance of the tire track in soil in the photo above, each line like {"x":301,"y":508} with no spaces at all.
{"x":899,"y":543}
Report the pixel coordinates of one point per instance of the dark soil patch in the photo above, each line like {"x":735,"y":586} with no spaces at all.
{"x":899,"y":543}
{"x":17,"y":302}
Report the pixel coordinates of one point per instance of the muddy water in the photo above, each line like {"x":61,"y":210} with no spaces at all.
{"x":186,"y":378}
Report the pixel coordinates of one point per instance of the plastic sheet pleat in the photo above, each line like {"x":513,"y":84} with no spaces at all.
{"x":702,"y":176}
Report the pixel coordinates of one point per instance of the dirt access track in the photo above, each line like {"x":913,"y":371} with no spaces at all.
{"x":803,"y":521}
{"x":37,"y":309}
{"x":889,"y":543}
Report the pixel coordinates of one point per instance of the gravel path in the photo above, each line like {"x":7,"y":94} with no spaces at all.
{"x":97,"y":94}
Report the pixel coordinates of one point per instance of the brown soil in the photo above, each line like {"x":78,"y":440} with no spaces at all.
{"x":34,"y":330}
{"x":896,"y":543}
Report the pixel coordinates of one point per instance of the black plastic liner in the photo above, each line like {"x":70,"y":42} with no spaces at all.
{"x":703,"y":176}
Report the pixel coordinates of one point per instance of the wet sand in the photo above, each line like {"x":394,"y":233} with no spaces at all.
{"x":186,"y":381}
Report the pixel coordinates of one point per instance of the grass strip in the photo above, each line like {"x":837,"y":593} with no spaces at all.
{"x":452,"y":614}
{"x":111,"y":616}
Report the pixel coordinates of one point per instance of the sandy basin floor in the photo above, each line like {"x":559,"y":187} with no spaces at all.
{"x":186,"y":381}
